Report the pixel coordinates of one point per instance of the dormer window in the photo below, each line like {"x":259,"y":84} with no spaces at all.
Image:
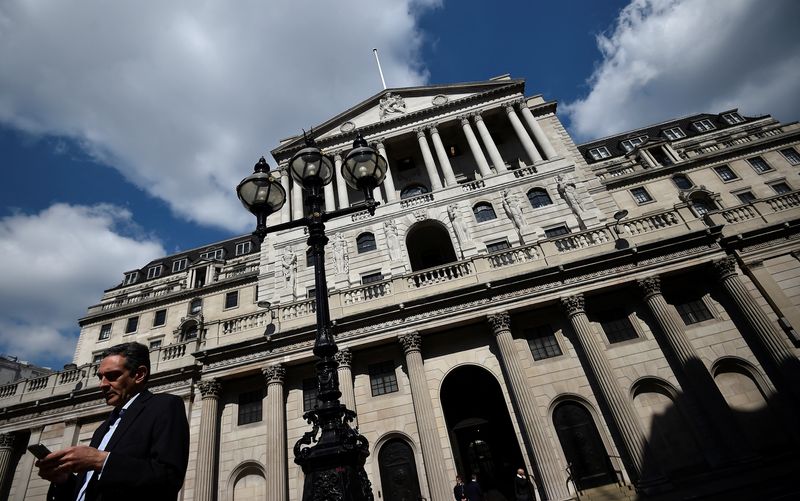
{"x":732,"y":118}
{"x":154,"y":271}
{"x":674,"y":133}
{"x":131,"y":278}
{"x":630,"y":144}
{"x":179,"y":265}
{"x":703,"y":125}
{"x":212,"y":254}
{"x":243,"y":248}
{"x":599,"y":153}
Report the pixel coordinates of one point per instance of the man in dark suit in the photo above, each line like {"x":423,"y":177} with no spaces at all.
{"x":139,"y":453}
{"x":523,"y":489}
{"x":474,"y":492}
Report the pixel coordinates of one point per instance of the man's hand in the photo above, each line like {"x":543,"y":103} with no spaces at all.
{"x":57,"y":466}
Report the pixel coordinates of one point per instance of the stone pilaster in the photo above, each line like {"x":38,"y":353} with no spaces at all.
{"x":7,"y":441}
{"x":522,"y":134}
{"x":618,"y":404}
{"x":205,"y":484}
{"x":286,"y":210}
{"x":475,"y":148}
{"x":341,"y":185}
{"x":430,"y":165}
{"x":551,"y":472}
{"x":274,"y":376}
{"x":541,"y":138}
{"x":444,"y":160}
{"x":488,"y":143}
{"x":388,"y":182}
{"x":344,"y":357}
{"x":438,"y":483}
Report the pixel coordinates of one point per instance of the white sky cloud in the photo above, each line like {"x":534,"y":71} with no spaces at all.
{"x":669,"y":58}
{"x":54,"y":265}
{"x":183,"y":97}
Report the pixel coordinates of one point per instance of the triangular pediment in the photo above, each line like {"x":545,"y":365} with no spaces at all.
{"x":390,"y":108}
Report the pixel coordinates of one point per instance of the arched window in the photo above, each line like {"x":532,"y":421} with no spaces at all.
{"x":413,"y":190}
{"x":538,"y":197}
{"x":682,"y":181}
{"x":365,"y":242}
{"x":702,"y":204}
{"x":484,"y":212}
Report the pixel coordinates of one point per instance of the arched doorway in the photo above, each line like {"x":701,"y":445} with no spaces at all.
{"x":480,"y":429}
{"x":398,"y":469}
{"x":582,"y":446}
{"x":429,"y":245}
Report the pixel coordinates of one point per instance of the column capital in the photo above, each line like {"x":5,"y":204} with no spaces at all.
{"x":573,"y":305}
{"x":344,"y":357}
{"x":464,"y":119}
{"x":434,"y":129}
{"x":649,"y":286}
{"x":477,"y":117}
{"x":7,"y":440}
{"x":500,"y":321}
{"x":509,"y":106}
{"x":210,"y":388}
{"x":411,"y":342}
{"x":420,"y":132}
{"x":725,"y":267}
{"x":274,"y":374}
{"x":284,"y":170}
{"x":379,"y":142}
{"x":337,"y":156}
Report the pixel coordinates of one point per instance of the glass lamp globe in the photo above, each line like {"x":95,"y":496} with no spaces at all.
{"x":363,"y":168}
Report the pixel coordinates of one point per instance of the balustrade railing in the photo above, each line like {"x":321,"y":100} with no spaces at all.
{"x":8,"y":390}
{"x":416,"y":201}
{"x":473,"y":185}
{"x":514,"y":256}
{"x":784,"y":201}
{"x":367,"y":292}
{"x":258,"y":319}
{"x":739,"y":214}
{"x":299,"y":309}
{"x":439,"y":275}
{"x":650,"y":223}
{"x":582,"y":240}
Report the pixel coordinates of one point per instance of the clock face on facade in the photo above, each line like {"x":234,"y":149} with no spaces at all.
{"x":347,"y":127}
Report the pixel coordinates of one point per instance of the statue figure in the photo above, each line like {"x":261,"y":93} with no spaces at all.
{"x":513,"y":209}
{"x":458,"y":226}
{"x":391,"y":104}
{"x":570,"y":194}
{"x":341,"y":260}
{"x":392,"y":240}
{"x":289,"y":263}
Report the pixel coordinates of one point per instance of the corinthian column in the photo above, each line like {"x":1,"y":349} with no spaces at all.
{"x":345,"y":358}
{"x":430,"y":166}
{"x":444,"y":160}
{"x":286,"y":210}
{"x":773,"y":342}
{"x":431,"y":442}
{"x":205,"y":482}
{"x":6,"y":451}
{"x":276,"y":432}
{"x":341,"y":185}
{"x":297,"y":200}
{"x":388,"y":183}
{"x":475,"y":148}
{"x":488,"y":142}
{"x":620,"y":406}
{"x":538,"y":133}
{"x":718,"y":433}
{"x":551,"y":471}
{"x":522,"y":134}
{"x":330,"y":200}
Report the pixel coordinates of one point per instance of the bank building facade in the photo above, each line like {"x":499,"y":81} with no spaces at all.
{"x":620,"y":317}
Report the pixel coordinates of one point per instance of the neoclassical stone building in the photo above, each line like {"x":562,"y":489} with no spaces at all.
{"x":620,"y":315}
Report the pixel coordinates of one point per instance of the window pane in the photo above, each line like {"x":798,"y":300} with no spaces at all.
{"x":196,"y":306}
{"x":539,"y":198}
{"x":682,"y":182}
{"x":484,"y":212}
{"x":132,"y":325}
{"x":759,"y":164}
{"x":781,"y":188}
{"x":365,"y":242}
{"x":791,"y":156}
{"x":232,"y":299}
{"x":556,"y":232}
{"x":692,"y":312}
{"x":250,"y":407}
{"x":725,"y":173}
{"x":159,"y":318}
{"x":105,"y":331}
{"x":542,"y":342}
{"x":382,"y":378}
{"x":371,"y":278}
{"x":641,"y":196}
{"x":498,"y":246}
{"x":179,"y":265}
{"x":617,"y":326}
{"x":746,"y":197}
{"x":310,"y":394}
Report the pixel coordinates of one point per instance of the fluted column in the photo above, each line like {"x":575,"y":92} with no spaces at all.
{"x":620,"y":406}
{"x":773,"y":342}
{"x":345,"y":358}
{"x":388,"y":183}
{"x":710,"y":413}
{"x":274,"y":376}
{"x":438,"y":483}
{"x":297,"y":200}
{"x":286,"y":210}
{"x":538,"y":134}
{"x":488,"y":142}
{"x":330,"y":201}
{"x":522,"y":134}
{"x":205,"y":484}
{"x":430,"y":166}
{"x":475,"y":148}
{"x":341,"y":185}
{"x":6,"y":451}
{"x":444,"y":160}
{"x":552,"y":477}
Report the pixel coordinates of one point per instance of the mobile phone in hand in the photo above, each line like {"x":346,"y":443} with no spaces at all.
{"x":39,"y":450}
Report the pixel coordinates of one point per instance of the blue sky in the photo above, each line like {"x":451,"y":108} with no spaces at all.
{"x":125,"y":126}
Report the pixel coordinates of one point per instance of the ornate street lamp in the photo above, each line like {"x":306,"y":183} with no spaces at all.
{"x":332,"y":454}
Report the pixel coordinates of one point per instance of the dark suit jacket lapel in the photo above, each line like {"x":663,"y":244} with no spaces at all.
{"x":130,"y":415}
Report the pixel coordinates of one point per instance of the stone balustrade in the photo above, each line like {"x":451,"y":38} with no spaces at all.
{"x":367,"y":292}
{"x":647,"y":224}
{"x":254,"y":320}
{"x":439,"y":275}
{"x":417,"y":201}
{"x":583,"y":240}
{"x":473,"y":185}
{"x":514,"y":256}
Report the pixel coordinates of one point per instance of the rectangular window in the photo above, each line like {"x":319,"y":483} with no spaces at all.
{"x":155,"y":344}
{"x":725,"y":173}
{"x":617,"y":326}
{"x":781,"y":188}
{"x":131,"y":277}
{"x":641,"y":196}
{"x":179,"y":265}
{"x":704,"y":125}
{"x":232,"y":299}
{"x":732,"y":118}
{"x":382,"y":378}
{"x":498,"y":246}
{"x":154,"y":272}
{"x":250,"y":407}
{"x":674,"y":133}
{"x":599,"y":153}
{"x":310,"y":393}
{"x":213,"y":254}
{"x":132,"y":325}
{"x":243,"y":248}
{"x":556,"y":232}
{"x":97,"y":358}
{"x":105,"y":332}
{"x":369,"y":278}
{"x":311,"y":292}
{"x":661,"y":156}
{"x":543,"y":343}
{"x":693,"y":311}
{"x":745,"y":197}
{"x":160,"y":318}
{"x":630,"y":144}
{"x":791,"y":156}
{"x":759,"y":165}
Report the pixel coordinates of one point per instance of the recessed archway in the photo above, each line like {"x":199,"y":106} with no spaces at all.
{"x":398,"y":470}
{"x":429,"y":245}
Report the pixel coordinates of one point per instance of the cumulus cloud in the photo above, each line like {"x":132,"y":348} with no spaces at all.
{"x":669,"y":58}
{"x":54,"y":265}
{"x":182,"y":97}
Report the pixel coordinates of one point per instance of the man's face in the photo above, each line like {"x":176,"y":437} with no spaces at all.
{"x":118,"y":384}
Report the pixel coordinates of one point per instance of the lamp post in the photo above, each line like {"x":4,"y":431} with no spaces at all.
{"x":332,"y":454}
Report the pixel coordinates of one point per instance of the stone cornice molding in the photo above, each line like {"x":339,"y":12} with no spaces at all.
{"x":573,"y":305}
{"x":210,"y":388}
{"x":274,"y":374}
{"x":499,"y":322}
{"x":344,"y":357}
{"x":410,"y":342}
{"x":725,"y":267}
{"x":649,"y":286}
